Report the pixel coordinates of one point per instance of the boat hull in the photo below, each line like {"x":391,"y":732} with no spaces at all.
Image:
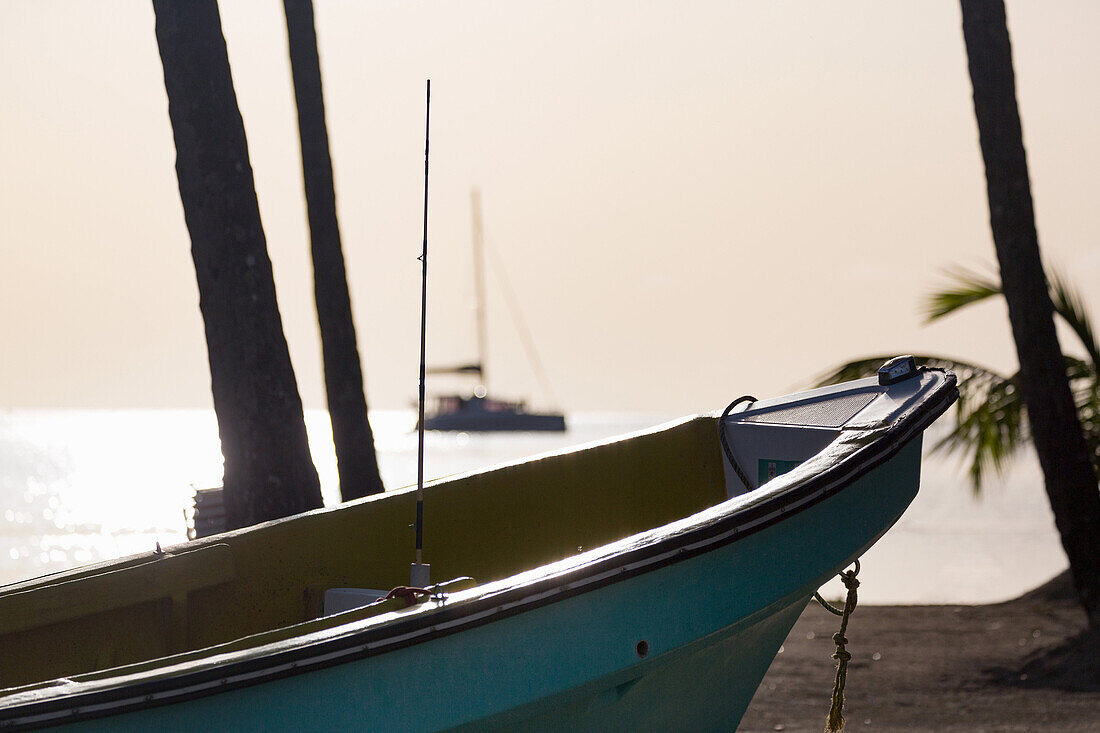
{"x":711,"y":624}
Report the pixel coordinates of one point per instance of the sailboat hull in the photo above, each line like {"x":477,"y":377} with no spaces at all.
{"x":471,"y":419}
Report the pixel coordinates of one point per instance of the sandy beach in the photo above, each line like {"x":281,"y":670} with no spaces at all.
{"x":1023,"y":665}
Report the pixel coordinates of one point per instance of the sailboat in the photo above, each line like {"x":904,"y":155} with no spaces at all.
{"x":480,"y":412}
{"x":644,"y":583}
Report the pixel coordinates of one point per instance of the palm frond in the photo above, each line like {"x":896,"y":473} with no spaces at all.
{"x":990,"y":426}
{"x":1085,"y":385}
{"x":868,"y":367}
{"x":1069,"y":305}
{"x":968,"y":287}
{"x":989,"y":416}
{"x":1084,"y":376}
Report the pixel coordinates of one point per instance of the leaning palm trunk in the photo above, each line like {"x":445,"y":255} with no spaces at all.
{"x":1056,"y":432}
{"x":269,"y":472}
{"x":356,"y":460}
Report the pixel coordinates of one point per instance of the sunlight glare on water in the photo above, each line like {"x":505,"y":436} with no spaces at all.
{"x":82,"y":486}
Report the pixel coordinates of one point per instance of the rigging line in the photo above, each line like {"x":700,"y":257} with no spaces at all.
{"x":423,"y":340}
{"x":479,"y":285}
{"x":520,"y":324}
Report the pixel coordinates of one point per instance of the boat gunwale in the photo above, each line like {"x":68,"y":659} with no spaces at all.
{"x":647,"y":551}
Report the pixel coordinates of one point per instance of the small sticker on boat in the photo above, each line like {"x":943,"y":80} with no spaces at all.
{"x":769,"y":468}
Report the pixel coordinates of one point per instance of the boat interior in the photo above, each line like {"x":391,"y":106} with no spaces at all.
{"x":268,"y":582}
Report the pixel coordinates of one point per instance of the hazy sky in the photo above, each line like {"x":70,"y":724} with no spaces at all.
{"x":693,"y":200}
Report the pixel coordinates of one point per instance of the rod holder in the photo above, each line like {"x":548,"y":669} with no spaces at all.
{"x":420,"y":575}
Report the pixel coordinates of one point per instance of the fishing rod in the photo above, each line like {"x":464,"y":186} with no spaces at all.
{"x":421,"y":571}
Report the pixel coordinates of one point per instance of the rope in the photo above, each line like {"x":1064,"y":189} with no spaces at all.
{"x":828,"y":606}
{"x":725,"y":443}
{"x":834,"y":722}
{"x":408,"y":594}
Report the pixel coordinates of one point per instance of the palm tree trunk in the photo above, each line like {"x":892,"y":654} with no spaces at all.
{"x":356,"y":460}
{"x":268,"y":469}
{"x":1070,"y":481}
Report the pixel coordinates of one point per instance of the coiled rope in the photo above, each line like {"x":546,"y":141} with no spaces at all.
{"x":834,"y":722}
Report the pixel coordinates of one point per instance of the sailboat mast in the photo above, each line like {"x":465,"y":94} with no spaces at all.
{"x":479,"y":286}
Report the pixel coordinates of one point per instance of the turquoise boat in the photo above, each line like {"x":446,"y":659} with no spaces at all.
{"x":643,"y":583}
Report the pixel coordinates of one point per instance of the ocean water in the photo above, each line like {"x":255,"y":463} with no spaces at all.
{"x":82,"y":486}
